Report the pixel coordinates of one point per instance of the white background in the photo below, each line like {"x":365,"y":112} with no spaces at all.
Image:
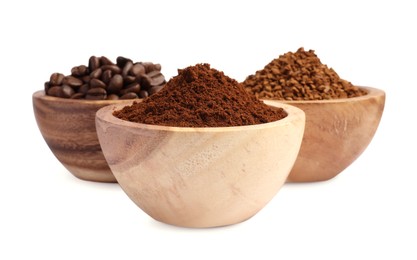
{"x":367,"y":212}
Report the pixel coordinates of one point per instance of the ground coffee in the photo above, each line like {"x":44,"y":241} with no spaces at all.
{"x":299,"y":76}
{"x":200,"y":96}
{"x":103,"y":79}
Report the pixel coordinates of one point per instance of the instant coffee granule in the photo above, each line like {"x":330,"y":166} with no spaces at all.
{"x":299,"y":76}
{"x":200,"y":96}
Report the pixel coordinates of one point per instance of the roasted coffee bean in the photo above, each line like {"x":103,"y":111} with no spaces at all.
{"x":103,"y":79}
{"x":72,"y":81}
{"x":145,"y":81}
{"x":149,"y":66}
{"x":137,"y":69}
{"x":96,"y":83}
{"x":93,"y":63}
{"x":143,"y":94}
{"x":121,"y":61}
{"x":83,"y":89}
{"x":96,"y":94}
{"x":153,"y":73}
{"x":157,"y":78}
{"x":127,"y":68}
{"x":157,"y":81}
{"x":95,"y":74}
{"x":56,"y":79}
{"x":77,"y":96}
{"x":115,"y":84}
{"x":113,"y":68}
{"x":86,"y":79}
{"x":46,"y":86}
{"x":105,"y":61}
{"x":134,"y":87}
{"x":129,"y":95}
{"x":67,"y":91}
{"x":79,"y":71}
{"x":55,"y":91}
{"x":106,"y":76}
{"x":129,"y":79}
{"x":112,"y":97}
{"x":155,"y":89}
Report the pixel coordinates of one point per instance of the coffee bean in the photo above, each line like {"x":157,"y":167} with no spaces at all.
{"x":56,"y":79}
{"x":127,"y":68}
{"x":55,"y":91}
{"x":93,"y":63}
{"x":77,"y":96}
{"x":79,"y":71}
{"x":96,"y":83}
{"x":143,"y":94}
{"x":106,"y":76}
{"x":86,"y":79}
{"x":153,"y":73}
{"x":67,"y":91}
{"x":96,"y":94}
{"x":113,"y":68}
{"x":134,"y":87}
{"x":105,"y":61}
{"x":121,"y":61}
{"x":145,"y":81}
{"x":157,"y":66}
{"x":155,"y":89}
{"x":95,"y":74}
{"x":149,"y":66}
{"x":137,"y":69}
{"x":115,"y":84}
{"x":129,"y":95}
{"x":83,"y":89}
{"x":157,"y":78}
{"x":46,"y":86}
{"x":112,"y":97}
{"x":72,"y":81}
{"x":129,"y":79}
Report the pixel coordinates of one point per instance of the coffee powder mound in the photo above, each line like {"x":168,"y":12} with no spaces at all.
{"x":299,"y":76}
{"x":200,"y":96}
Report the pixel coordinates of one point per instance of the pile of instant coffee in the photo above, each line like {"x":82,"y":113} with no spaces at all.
{"x":299,"y":76}
{"x":102,"y":79}
{"x":200,"y":96}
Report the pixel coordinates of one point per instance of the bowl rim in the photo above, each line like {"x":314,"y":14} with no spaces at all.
{"x":293,"y":114}
{"x":372,"y":92}
{"x":40,"y":94}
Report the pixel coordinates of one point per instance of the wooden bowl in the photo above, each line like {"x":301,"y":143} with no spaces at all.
{"x":336,"y":133}
{"x":68,"y":127}
{"x":200,"y":177}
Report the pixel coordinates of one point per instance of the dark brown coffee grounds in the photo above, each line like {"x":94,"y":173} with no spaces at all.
{"x":299,"y":76}
{"x":200,"y":96}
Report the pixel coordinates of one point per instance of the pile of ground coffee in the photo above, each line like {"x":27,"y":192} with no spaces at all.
{"x":200,"y":96}
{"x":299,"y":76}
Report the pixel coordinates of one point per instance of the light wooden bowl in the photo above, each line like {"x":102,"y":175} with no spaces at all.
{"x":68,"y":127}
{"x":200,"y":177}
{"x":336,"y":133}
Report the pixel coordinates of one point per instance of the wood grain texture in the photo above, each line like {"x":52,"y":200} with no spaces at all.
{"x":200,"y":177}
{"x":336,"y":133}
{"x":68,"y":127}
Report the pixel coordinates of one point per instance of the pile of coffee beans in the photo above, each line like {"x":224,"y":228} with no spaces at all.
{"x":299,"y":76}
{"x":102,"y":79}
